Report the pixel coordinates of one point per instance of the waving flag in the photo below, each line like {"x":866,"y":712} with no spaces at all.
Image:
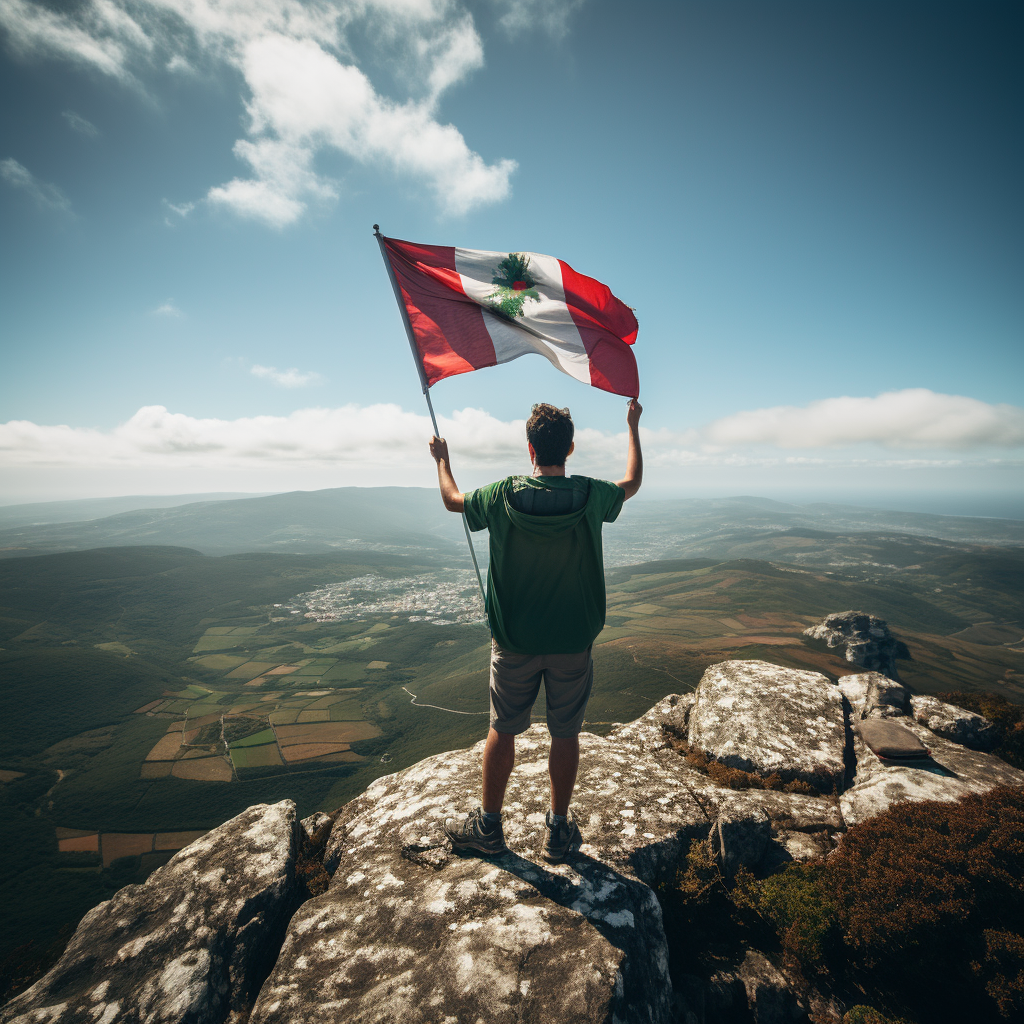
{"x":468,"y":308}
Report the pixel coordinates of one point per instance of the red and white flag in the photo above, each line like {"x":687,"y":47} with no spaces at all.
{"x":469,"y":308}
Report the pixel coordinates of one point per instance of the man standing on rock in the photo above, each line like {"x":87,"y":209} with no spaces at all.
{"x":545,"y":607}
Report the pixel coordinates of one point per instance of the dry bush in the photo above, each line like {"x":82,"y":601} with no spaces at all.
{"x":923,"y":906}
{"x":736,"y":778}
{"x":997,"y":709}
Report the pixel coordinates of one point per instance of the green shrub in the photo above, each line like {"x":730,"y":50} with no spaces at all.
{"x":797,"y":903}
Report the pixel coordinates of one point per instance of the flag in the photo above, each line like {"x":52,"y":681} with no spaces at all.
{"x":468,"y":308}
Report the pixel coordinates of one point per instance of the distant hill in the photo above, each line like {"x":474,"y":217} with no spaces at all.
{"x":408,"y":520}
{"x":41,"y":513}
{"x":393,"y":519}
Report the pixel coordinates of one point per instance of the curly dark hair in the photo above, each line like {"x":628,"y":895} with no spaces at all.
{"x":550,"y":431}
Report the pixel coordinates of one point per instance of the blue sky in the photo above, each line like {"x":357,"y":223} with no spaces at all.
{"x":805,"y":202}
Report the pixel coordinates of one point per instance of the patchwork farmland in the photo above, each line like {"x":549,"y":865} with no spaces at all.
{"x":262,"y":715}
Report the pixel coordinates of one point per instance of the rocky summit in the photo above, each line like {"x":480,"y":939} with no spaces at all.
{"x":408,"y":931}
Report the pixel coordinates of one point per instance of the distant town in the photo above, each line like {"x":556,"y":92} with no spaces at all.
{"x":442,"y":598}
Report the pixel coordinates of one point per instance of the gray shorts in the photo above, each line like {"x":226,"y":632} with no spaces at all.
{"x":515,"y":682}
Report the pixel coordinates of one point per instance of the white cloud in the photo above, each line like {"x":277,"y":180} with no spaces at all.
{"x":912,"y":418}
{"x":42,"y":192}
{"x":306,"y":96}
{"x":384,"y":443}
{"x":292,"y":378}
{"x":552,"y":16}
{"x":180,"y":211}
{"x":99,"y":34}
{"x":168,"y":308}
{"x":178,"y":65}
{"x":80,"y":124}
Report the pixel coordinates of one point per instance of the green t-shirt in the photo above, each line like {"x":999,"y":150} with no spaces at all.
{"x":545,"y":583}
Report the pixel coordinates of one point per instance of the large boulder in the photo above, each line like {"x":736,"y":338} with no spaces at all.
{"x":769,"y":720}
{"x":410,"y":931}
{"x":866,"y":639}
{"x":953,"y":723}
{"x":193,"y":944}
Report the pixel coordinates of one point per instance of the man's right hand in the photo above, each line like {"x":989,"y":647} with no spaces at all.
{"x":439,"y":449}
{"x":633,"y":413}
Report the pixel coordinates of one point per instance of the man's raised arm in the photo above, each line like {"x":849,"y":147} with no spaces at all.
{"x":452,"y":497}
{"x":630,"y":483}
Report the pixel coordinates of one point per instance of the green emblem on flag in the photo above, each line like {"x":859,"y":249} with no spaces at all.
{"x":515,"y":284}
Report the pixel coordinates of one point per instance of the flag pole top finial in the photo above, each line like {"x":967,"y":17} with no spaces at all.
{"x":376,"y":229}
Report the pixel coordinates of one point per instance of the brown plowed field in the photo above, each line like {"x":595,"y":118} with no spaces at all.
{"x":309,"y":715}
{"x":167,"y":747}
{"x":80,"y":844}
{"x":149,"y":707}
{"x":155,"y":769}
{"x":207,"y":769}
{"x":176,"y":726}
{"x":308,"y":751}
{"x":283,"y":670}
{"x":326,"y":732}
{"x":124,"y":844}
{"x":198,"y":723}
{"x":175,"y":840}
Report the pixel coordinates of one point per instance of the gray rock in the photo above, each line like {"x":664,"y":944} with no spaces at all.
{"x":317,"y":827}
{"x":885,"y":697}
{"x":653,"y":731}
{"x":866,"y":638}
{"x":952,"y":772}
{"x":855,"y":689}
{"x":761,"y":718}
{"x":802,"y":827}
{"x":192,"y":944}
{"x":741,"y":835}
{"x":953,"y":723}
{"x":769,"y":996}
{"x":409,"y":931}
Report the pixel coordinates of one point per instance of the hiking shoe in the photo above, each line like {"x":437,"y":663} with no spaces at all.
{"x":473,"y":833}
{"x":561,"y":838}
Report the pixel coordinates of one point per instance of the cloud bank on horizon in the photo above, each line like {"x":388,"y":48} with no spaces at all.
{"x":305,"y":94}
{"x":914,"y":428}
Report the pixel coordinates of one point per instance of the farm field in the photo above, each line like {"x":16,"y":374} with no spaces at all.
{"x":152,"y":692}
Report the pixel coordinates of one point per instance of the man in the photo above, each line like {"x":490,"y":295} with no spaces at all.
{"x":545,"y":605}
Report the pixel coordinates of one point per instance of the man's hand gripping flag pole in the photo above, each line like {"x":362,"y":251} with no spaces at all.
{"x":426,"y":391}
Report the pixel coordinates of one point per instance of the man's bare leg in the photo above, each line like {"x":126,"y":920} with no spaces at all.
{"x":499,"y":757}
{"x":563,"y":763}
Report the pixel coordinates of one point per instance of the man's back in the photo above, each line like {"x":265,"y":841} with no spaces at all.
{"x":545,"y":583}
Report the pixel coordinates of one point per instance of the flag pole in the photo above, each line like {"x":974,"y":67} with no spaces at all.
{"x":425,"y":386}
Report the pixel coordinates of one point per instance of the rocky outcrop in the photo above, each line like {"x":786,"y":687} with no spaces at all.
{"x":953,"y":723}
{"x":194,"y":943}
{"x":404,"y":929}
{"x":866,"y":638}
{"x":508,"y":939}
{"x":768,"y":720}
